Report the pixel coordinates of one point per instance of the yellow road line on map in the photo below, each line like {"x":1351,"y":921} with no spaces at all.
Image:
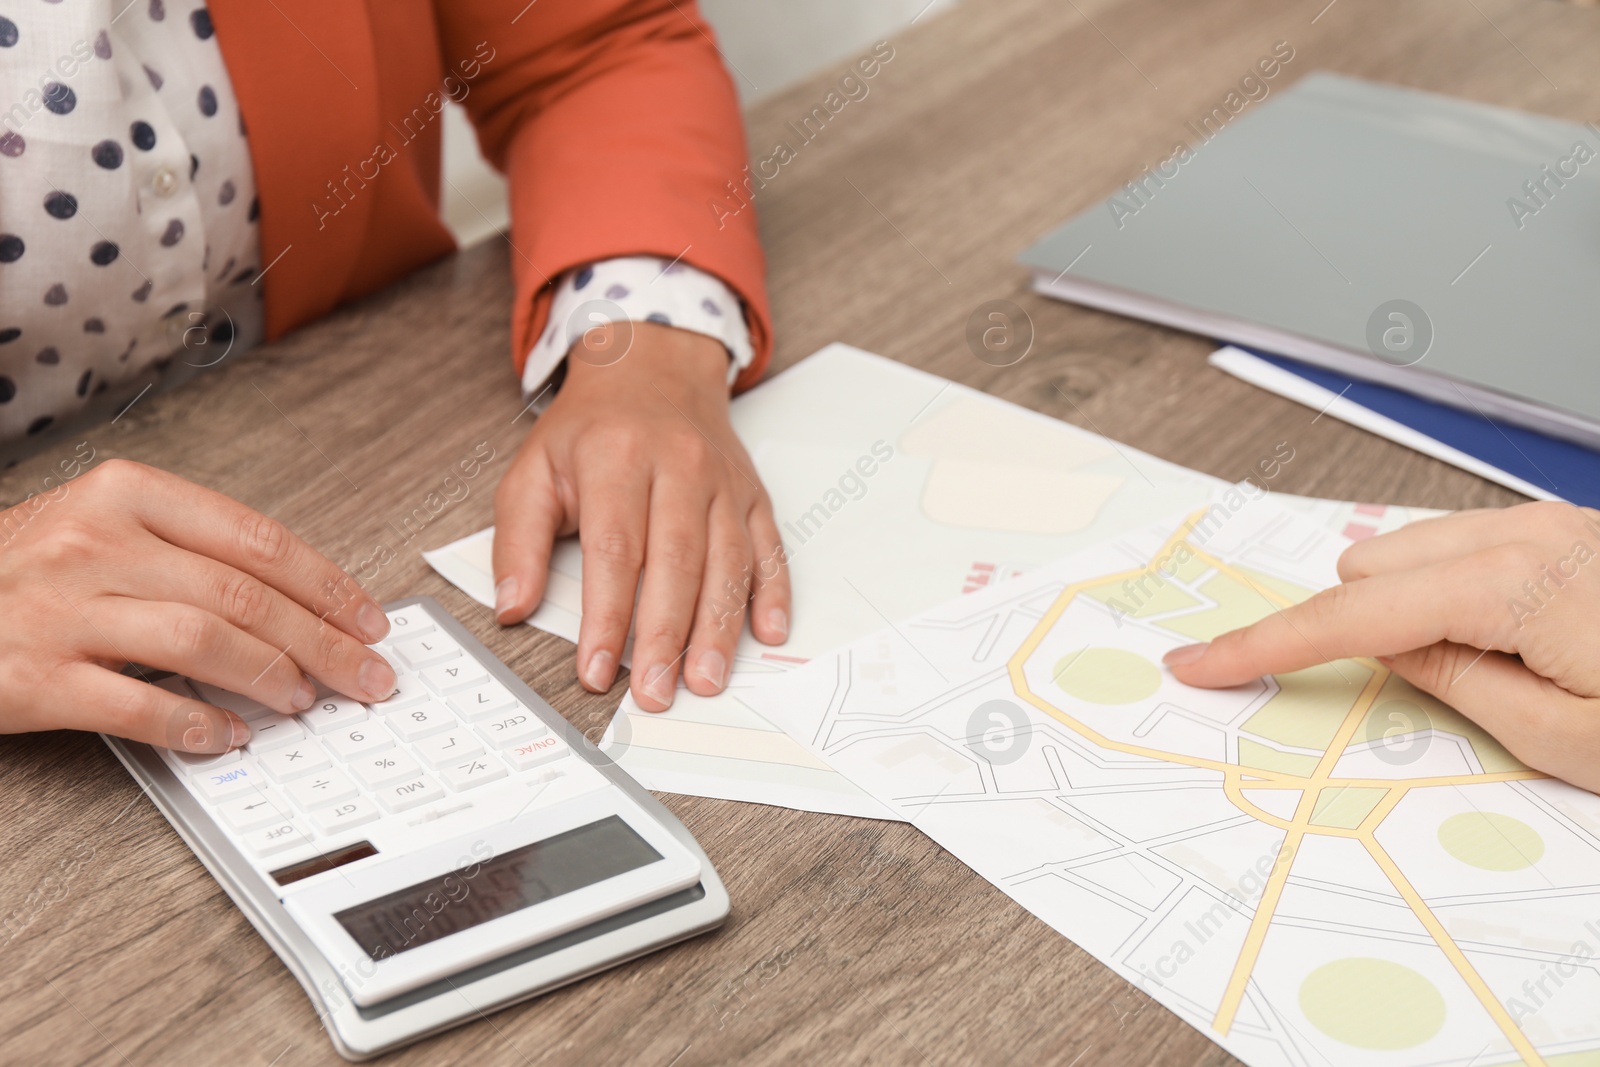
{"x":1380,"y":811}
{"x":1020,"y":685}
{"x":1234,"y":787}
{"x":1391,"y":783}
{"x":1255,"y":937}
{"x":1469,"y":974}
{"x":1234,"y":790}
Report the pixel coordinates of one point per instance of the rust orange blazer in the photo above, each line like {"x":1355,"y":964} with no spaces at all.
{"x":614,"y":121}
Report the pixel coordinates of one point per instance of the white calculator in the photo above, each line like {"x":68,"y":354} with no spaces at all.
{"x":429,"y":858}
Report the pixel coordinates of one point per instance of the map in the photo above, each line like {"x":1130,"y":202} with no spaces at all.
{"x":1326,"y":867}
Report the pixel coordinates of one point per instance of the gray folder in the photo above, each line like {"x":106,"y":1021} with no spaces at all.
{"x":1448,"y":248}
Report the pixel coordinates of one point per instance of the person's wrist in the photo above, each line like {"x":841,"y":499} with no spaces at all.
{"x":632,"y":352}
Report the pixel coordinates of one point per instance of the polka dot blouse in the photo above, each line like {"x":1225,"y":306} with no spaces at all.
{"x":129,"y":252}
{"x":128,"y":238}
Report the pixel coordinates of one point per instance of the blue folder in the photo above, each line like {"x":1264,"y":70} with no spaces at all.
{"x":1568,"y":470}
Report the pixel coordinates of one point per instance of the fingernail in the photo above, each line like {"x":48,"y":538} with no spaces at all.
{"x":376,"y":678}
{"x":657,"y":684}
{"x":601,"y":670}
{"x":505,"y":597}
{"x":713,"y":667}
{"x":372,"y":622}
{"x":1186,"y":654}
{"x":778,"y":622}
{"x":238,"y":732}
{"x":305,"y":695}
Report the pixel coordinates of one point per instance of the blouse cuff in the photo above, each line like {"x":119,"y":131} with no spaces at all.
{"x":636,"y":289}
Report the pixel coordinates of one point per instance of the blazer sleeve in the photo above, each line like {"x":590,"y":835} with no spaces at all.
{"x":620,"y":134}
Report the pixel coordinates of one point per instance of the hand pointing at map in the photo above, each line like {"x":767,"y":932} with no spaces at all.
{"x":1496,"y":612}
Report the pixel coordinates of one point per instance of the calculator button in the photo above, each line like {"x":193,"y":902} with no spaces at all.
{"x":511,"y":727}
{"x":277,"y":836}
{"x":230,"y":781}
{"x":273,"y":732}
{"x":420,"y":652}
{"x":410,"y":793}
{"x":253,"y":812}
{"x":408,"y":690}
{"x":455,"y":676}
{"x":385,"y":767}
{"x":450,"y":747}
{"x":369,"y":736}
{"x":413,"y":621}
{"x":472,"y":772}
{"x":482,"y":700}
{"x":321,"y":789}
{"x":421,"y":721}
{"x":539,"y":750}
{"x":195,"y":762}
{"x":292,"y":761}
{"x":332,"y":714}
{"x":337,"y":817}
{"x":241,"y":706}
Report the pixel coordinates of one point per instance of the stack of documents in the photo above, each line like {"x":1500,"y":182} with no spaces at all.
{"x":1445,"y":248}
{"x":1545,"y":468}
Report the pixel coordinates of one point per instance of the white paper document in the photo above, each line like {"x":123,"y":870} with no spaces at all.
{"x":1322,"y":868}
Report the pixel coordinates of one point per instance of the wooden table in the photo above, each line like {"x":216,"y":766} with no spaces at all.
{"x":850,"y":941}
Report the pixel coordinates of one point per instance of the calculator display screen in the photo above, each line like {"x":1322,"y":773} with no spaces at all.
{"x":474,"y":894}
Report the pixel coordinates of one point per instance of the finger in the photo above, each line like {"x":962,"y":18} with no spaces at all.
{"x":202,"y":521}
{"x":528,"y":517}
{"x":1379,"y":616}
{"x":1464,"y":533}
{"x":724,"y":594}
{"x":93,"y":698}
{"x":321,"y":650}
{"x":771,"y":601}
{"x":1540,"y":723}
{"x":611,"y":531}
{"x":1415,"y":544}
{"x":190,"y":641}
{"x":674,"y":562}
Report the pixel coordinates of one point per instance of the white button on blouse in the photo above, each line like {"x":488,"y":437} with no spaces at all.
{"x":127,"y":207}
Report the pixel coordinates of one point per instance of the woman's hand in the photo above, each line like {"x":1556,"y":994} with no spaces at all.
{"x":637,"y":455}
{"x":1495,"y":612}
{"x":130,"y":564}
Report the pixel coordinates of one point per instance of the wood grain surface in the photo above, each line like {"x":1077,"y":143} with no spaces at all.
{"x":850,"y":941}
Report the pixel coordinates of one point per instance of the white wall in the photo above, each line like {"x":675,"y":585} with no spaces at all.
{"x":770,"y":44}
